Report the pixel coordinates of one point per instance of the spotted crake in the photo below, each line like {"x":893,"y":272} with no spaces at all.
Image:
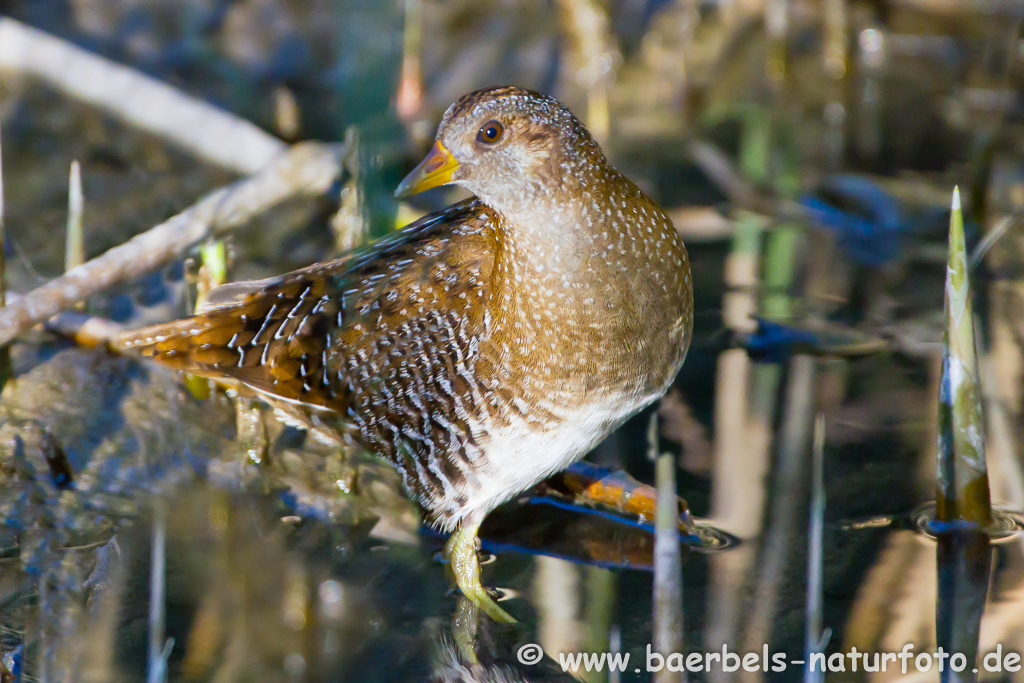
{"x":479,"y":349}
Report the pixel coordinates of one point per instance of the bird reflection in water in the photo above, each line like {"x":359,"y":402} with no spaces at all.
{"x":478,"y":653}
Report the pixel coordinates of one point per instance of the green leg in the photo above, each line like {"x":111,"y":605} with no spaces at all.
{"x":465,"y":566}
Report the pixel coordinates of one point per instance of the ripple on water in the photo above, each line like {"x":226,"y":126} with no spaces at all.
{"x":709,"y":539}
{"x":1006,"y":525}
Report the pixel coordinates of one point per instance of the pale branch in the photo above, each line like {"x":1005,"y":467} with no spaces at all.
{"x":305,"y":169}
{"x":142,"y":101}
{"x":745,"y":195}
{"x":86,"y":330}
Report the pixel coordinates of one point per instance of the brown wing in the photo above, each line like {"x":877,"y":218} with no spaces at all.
{"x":385,"y":340}
{"x":328,"y":334}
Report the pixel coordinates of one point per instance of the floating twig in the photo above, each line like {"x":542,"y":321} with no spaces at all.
{"x":146,"y":103}
{"x":306,"y":169}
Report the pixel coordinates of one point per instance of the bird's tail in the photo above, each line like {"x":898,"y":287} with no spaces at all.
{"x":172,"y":343}
{"x":200,"y":344}
{"x":270,"y":335}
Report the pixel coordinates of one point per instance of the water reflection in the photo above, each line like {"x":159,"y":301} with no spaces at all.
{"x":478,"y":651}
{"x":255,"y":591}
{"x":964,"y":560}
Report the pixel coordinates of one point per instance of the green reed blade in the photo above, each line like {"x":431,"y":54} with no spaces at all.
{"x":962,"y":484}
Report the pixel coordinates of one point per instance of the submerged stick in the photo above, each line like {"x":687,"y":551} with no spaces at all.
{"x":963,"y":561}
{"x":815,"y":640}
{"x":159,"y":649}
{"x":306,"y":169}
{"x":962,"y":484}
{"x":668,"y":563}
{"x":144,"y":102}
{"x":786,"y":491}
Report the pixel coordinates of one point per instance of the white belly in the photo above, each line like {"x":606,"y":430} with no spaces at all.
{"x":515,"y":458}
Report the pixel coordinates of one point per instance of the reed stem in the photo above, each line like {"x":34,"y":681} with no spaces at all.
{"x":962,"y":482}
{"x":5,"y":351}
{"x":74,"y":248}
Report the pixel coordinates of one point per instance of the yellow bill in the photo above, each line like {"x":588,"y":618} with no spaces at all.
{"x":436,"y":169}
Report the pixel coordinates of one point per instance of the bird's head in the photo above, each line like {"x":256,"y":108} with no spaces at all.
{"x":508,"y":146}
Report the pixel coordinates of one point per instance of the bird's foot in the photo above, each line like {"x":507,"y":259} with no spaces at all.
{"x":465,"y":566}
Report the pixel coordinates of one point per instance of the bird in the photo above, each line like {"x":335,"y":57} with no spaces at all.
{"x":479,"y":349}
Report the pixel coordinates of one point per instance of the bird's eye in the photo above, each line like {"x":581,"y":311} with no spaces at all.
{"x":490,"y":132}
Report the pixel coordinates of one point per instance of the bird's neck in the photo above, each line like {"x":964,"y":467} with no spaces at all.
{"x":548,"y":253}
{"x":545,"y":238}
{"x":550,"y":226}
